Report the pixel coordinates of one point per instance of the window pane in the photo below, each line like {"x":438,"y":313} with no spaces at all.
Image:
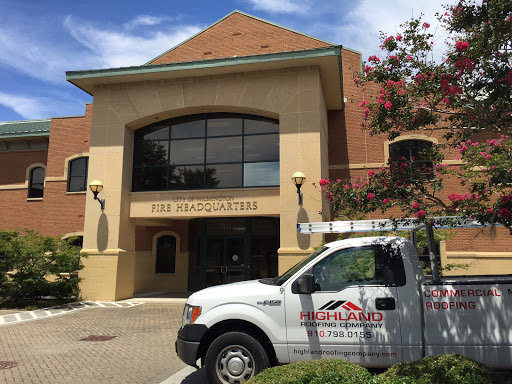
{"x":261,"y":148}
{"x":36,"y":187}
{"x":166,"y":254}
{"x":224,"y":126}
{"x":148,"y":179}
{"x":261,"y":174}
{"x":408,"y":148}
{"x":224,"y":176}
{"x":150,"y":153}
{"x":354,"y":266}
{"x":36,"y":191}
{"x":78,"y":167}
{"x":188,"y":129}
{"x":186,"y":177}
{"x":187,"y":151}
{"x":157,"y":132}
{"x":224,"y":149}
{"x":260,"y":126}
{"x":76,"y":184}
{"x":38,"y":175}
{"x":417,"y":147}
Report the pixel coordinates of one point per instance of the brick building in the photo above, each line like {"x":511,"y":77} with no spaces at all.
{"x":195,"y":150}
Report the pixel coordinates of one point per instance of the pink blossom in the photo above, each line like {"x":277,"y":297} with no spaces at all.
{"x":374,"y":59}
{"x":385,"y":201}
{"x":346,"y":186}
{"x":446,"y":100}
{"x":371,"y":173}
{"x":370,"y":196}
{"x":488,"y":157}
{"x":324,"y":182}
{"x":421,"y":214}
{"x":490,"y":211}
{"x":504,"y":212}
{"x":388,"y":105}
{"x":416,"y":205}
{"x":504,"y":199}
{"x":493,"y":167}
{"x":461,"y":45}
{"x":398,"y":37}
{"x":409,"y":58}
{"x":363,"y":103}
{"x":425,"y":25}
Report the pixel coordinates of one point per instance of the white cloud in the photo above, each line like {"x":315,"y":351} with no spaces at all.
{"x":280,"y":6}
{"x":32,"y":50}
{"x":146,"y":20}
{"x":29,"y":107}
{"x":31,"y":55}
{"x":114,"y":48}
{"x":369,"y":17}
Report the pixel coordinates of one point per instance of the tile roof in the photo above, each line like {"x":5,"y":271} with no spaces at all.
{"x":25,"y":128}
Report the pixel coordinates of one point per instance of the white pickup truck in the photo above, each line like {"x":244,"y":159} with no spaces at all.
{"x":364,"y":300}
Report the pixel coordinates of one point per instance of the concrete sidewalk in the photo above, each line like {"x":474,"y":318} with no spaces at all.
{"x":119,"y":344}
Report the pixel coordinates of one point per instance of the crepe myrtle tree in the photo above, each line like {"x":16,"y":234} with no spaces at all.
{"x":466,"y":95}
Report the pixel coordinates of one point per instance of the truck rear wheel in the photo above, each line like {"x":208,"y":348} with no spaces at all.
{"x":234,"y":357}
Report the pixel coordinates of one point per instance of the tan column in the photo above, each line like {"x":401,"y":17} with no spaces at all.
{"x":109,"y":235}
{"x":302,"y":148}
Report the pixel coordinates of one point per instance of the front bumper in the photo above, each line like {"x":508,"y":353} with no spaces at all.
{"x":188,"y":341}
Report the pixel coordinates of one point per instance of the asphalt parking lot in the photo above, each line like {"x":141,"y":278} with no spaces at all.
{"x":109,"y":344}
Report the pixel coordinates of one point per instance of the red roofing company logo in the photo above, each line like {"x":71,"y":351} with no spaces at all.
{"x":334,"y":304}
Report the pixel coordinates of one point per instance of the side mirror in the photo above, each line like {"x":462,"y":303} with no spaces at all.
{"x":306,"y":283}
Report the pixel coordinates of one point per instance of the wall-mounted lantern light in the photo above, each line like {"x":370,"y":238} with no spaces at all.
{"x":96,"y":187}
{"x":298,"y":179}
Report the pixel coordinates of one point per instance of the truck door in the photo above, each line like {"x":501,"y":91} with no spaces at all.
{"x":353,"y":311}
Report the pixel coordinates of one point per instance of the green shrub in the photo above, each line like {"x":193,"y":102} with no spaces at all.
{"x":441,"y":369}
{"x":36,"y":265}
{"x":325,"y":371}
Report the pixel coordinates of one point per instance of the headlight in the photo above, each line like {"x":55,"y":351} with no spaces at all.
{"x":190,"y":314}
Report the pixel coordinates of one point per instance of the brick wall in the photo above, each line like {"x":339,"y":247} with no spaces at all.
{"x":15,"y":164}
{"x":68,"y":136}
{"x":63,"y":211}
{"x":58,"y":212}
{"x":239,"y":35}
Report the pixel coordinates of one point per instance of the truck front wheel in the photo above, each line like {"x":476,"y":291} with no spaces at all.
{"x":234,"y":357}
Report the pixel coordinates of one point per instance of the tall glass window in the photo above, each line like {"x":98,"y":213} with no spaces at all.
{"x":207,"y":151}
{"x":36,"y":184}
{"x":77,"y":175}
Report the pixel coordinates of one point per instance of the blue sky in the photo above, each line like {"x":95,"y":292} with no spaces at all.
{"x":40,"y":40}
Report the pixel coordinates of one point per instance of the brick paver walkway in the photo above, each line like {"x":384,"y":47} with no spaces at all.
{"x":50,"y":351}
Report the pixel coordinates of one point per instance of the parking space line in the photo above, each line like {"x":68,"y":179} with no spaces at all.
{"x":59,"y":310}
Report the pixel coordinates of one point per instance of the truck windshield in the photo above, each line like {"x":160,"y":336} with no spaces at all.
{"x":289,"y":273}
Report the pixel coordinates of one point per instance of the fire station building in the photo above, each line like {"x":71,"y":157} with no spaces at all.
{"x":195,"y":151}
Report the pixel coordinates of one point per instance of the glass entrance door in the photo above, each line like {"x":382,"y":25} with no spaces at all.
{"x":225,"y":260}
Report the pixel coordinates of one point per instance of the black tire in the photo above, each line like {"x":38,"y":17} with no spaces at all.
{"x":233,"y":357}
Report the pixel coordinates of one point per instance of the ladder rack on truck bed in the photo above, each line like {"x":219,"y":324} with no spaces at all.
{"x":408,"y":224}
